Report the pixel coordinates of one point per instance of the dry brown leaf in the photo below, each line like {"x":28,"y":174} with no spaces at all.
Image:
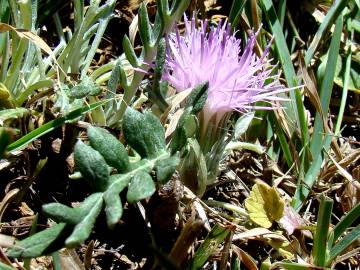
{"x":70,"y":260}
{"x":350,"y":197}
{"x":9,"y":197}
{"x":23,"y":33}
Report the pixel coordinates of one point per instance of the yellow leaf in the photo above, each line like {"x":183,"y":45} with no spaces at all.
{"x":4,"y":92}
{"x":264,"y":205}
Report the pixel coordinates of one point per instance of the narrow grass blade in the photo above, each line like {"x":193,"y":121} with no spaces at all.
{"x":298,"y":110}
{"x":30,"y":89}
{"x":318,"y":142}
{"x":344,"y":91}
{"x":330,"y":17}
{"x":208,"y":247}
{"x":282,"y":11}
{"x":235,"y":12}
{"x":33,"y":135}
{"x":344,"y":243}
{"x":304,"y":187}
{"x":346,"y":221}
{"x":321,"y":233}
{"x":282,"y":139}
{"x":78,"y":13}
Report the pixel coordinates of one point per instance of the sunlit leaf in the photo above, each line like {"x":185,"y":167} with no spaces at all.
{"x":264,"y":205}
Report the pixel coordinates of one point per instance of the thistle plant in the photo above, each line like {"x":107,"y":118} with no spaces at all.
{"x":237,"y":79}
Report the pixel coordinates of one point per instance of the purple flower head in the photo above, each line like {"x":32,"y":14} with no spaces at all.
{"x":237,"y":79}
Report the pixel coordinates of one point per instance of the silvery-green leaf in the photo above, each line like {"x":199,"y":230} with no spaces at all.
{"x":109,"y":147}
{"x":144,"y":133}
{"x":37,"y":244}
{"x":112,"y":200}
{"x":87,"y":87}
{"x":165,"y":168}
{"x":186,"y":128}
{"x":70,"y":215}
{"x":129,"y":52}
{"x":156,"y":91}
{"x":92,"y":166}
{"x":193,"y":168}
{"x":145,"y":28}
{"x":141,"y":186}
{"x":83,"y":229}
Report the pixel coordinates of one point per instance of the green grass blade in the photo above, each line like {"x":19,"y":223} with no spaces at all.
{"x":46,"y":128}
{"x":235,"y":12}
{"x":298,"y":111}
{"x":344,"y":243}
{"x":78,"y":13}
{"x":303,"y":188}
{"x":316,"y":144}
{"x":94,"y":45}
{"x":24,"y":95}
{"x":208,"y":247}
{"x":346,"y":221}
{"x":344,"y":91}
{"x":5,"y":55}
{"x":282,"y":139}
{"x":321,"y":233}
{"x":330,"y":18}
{"x":282,"y":11}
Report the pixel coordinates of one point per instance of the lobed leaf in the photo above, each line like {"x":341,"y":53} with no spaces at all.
{"x":83,"y":229}
{"x":70,"y":215}
{"x":109,"y":147}
{"x":141,"y":186}
{"x":144,"y":133}
{"x":92,"y":166}
{"x":113,"y":208}
{"x":37,"y":244}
